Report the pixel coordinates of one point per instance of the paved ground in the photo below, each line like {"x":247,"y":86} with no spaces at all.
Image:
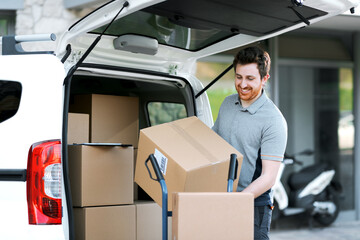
{"x":337,"y":231}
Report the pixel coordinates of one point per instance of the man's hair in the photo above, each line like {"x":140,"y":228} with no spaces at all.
{"x":254,"y":55}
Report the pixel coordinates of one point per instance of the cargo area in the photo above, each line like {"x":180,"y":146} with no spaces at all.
{"x":109,"y":140}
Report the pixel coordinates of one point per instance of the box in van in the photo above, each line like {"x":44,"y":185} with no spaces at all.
{"x":149,"y":221}
{"x":105,"y":223}
{"x":101,"y":174}
{"x":113,"y":119}
{"x":78,"y":128}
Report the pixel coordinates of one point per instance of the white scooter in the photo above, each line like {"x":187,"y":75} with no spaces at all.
{"x":311,"y":190}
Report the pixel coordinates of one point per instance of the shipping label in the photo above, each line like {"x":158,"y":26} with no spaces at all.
{"x":162,"y":161}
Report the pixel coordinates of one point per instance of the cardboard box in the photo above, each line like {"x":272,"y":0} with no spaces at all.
{"x":105,"y":223}
{"x":139,"y":193}
{"x":193,"y":158}
{"x":113,"y":119}
{"x":101,"y":175}
{"x":207,"y":216}
{"x":78,"y":128}
{"x":149,"y":221}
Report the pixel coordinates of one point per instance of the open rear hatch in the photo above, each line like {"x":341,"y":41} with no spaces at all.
{"x":155,"y":35}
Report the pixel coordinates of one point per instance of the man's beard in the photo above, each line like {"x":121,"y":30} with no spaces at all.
{"x":250,"y":95}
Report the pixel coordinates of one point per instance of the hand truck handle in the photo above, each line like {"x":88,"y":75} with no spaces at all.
{"x":233,"y":167}
{"x":155,"y":165}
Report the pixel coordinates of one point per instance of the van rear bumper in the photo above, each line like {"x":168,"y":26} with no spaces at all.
{"x":16,"y":175}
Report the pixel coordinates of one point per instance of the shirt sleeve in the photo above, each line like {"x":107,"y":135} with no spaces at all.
{"x":274,"y":139}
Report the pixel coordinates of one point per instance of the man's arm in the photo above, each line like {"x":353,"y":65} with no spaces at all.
{"x":273,"y":144}
{"x":266,"y":180}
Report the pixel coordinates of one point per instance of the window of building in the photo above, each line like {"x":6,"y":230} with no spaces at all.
{"x":7,"y":23}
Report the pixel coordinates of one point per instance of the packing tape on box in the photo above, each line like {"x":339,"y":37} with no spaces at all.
{"x":195,"y":143}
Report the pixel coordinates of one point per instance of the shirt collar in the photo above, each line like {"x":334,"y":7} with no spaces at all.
{"x":255,"y":106}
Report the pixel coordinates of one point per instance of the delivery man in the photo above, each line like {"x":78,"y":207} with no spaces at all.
{"x":252,"y":123}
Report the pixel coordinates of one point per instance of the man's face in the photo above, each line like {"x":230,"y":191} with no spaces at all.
{"x":248,"y":82}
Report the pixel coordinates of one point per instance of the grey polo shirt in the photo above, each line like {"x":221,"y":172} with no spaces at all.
{"x":259,"y":132}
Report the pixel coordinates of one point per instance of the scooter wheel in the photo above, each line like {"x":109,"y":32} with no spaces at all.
{"x":327,"y":219}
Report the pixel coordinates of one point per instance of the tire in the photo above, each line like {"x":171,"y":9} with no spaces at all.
{"x":325,"y":219}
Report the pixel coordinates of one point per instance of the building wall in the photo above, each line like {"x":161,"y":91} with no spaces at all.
{"x":45,"y":16}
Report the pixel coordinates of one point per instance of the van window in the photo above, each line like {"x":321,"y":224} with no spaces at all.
{"x":10,"y":93}
{"x":165,"y":31}
{"x":162,"y":112}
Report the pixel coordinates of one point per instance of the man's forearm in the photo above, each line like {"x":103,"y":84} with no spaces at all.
{"x":259,"y":186}
{"x":266,"y":179}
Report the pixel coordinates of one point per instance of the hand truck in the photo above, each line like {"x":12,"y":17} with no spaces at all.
{"x":160,"y":178}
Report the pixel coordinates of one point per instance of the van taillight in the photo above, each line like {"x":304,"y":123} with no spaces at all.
{"x":43,"y":183}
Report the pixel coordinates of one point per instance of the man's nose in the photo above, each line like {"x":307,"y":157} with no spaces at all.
{"x":243,"y":83}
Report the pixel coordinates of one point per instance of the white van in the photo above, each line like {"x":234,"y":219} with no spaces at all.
{"x":149,"y":51}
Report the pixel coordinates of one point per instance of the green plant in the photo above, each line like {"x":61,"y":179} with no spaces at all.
{"x":216,"y":97}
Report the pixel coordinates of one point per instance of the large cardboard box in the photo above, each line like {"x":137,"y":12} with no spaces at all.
{"x":101,"y":174}
{"x":78,"y":128}
{"x":193,"y":158}
{"x":113,"y":119}
{"x":105,"y":223}
{"x":213,"y":216}
{"x":149,"y":221}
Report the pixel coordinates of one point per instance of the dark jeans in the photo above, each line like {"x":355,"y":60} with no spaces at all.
{"x":262,"y":220}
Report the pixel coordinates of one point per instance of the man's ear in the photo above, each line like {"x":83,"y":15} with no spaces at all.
{"x":264,"y":80}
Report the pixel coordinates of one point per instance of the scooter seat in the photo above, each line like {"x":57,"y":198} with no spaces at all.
{"x":300,"y":179}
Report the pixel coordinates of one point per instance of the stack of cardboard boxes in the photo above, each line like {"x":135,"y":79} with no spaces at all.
{"x":103,"y":141}
{"x":194,"y":161}
{"x":103,"y":136}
